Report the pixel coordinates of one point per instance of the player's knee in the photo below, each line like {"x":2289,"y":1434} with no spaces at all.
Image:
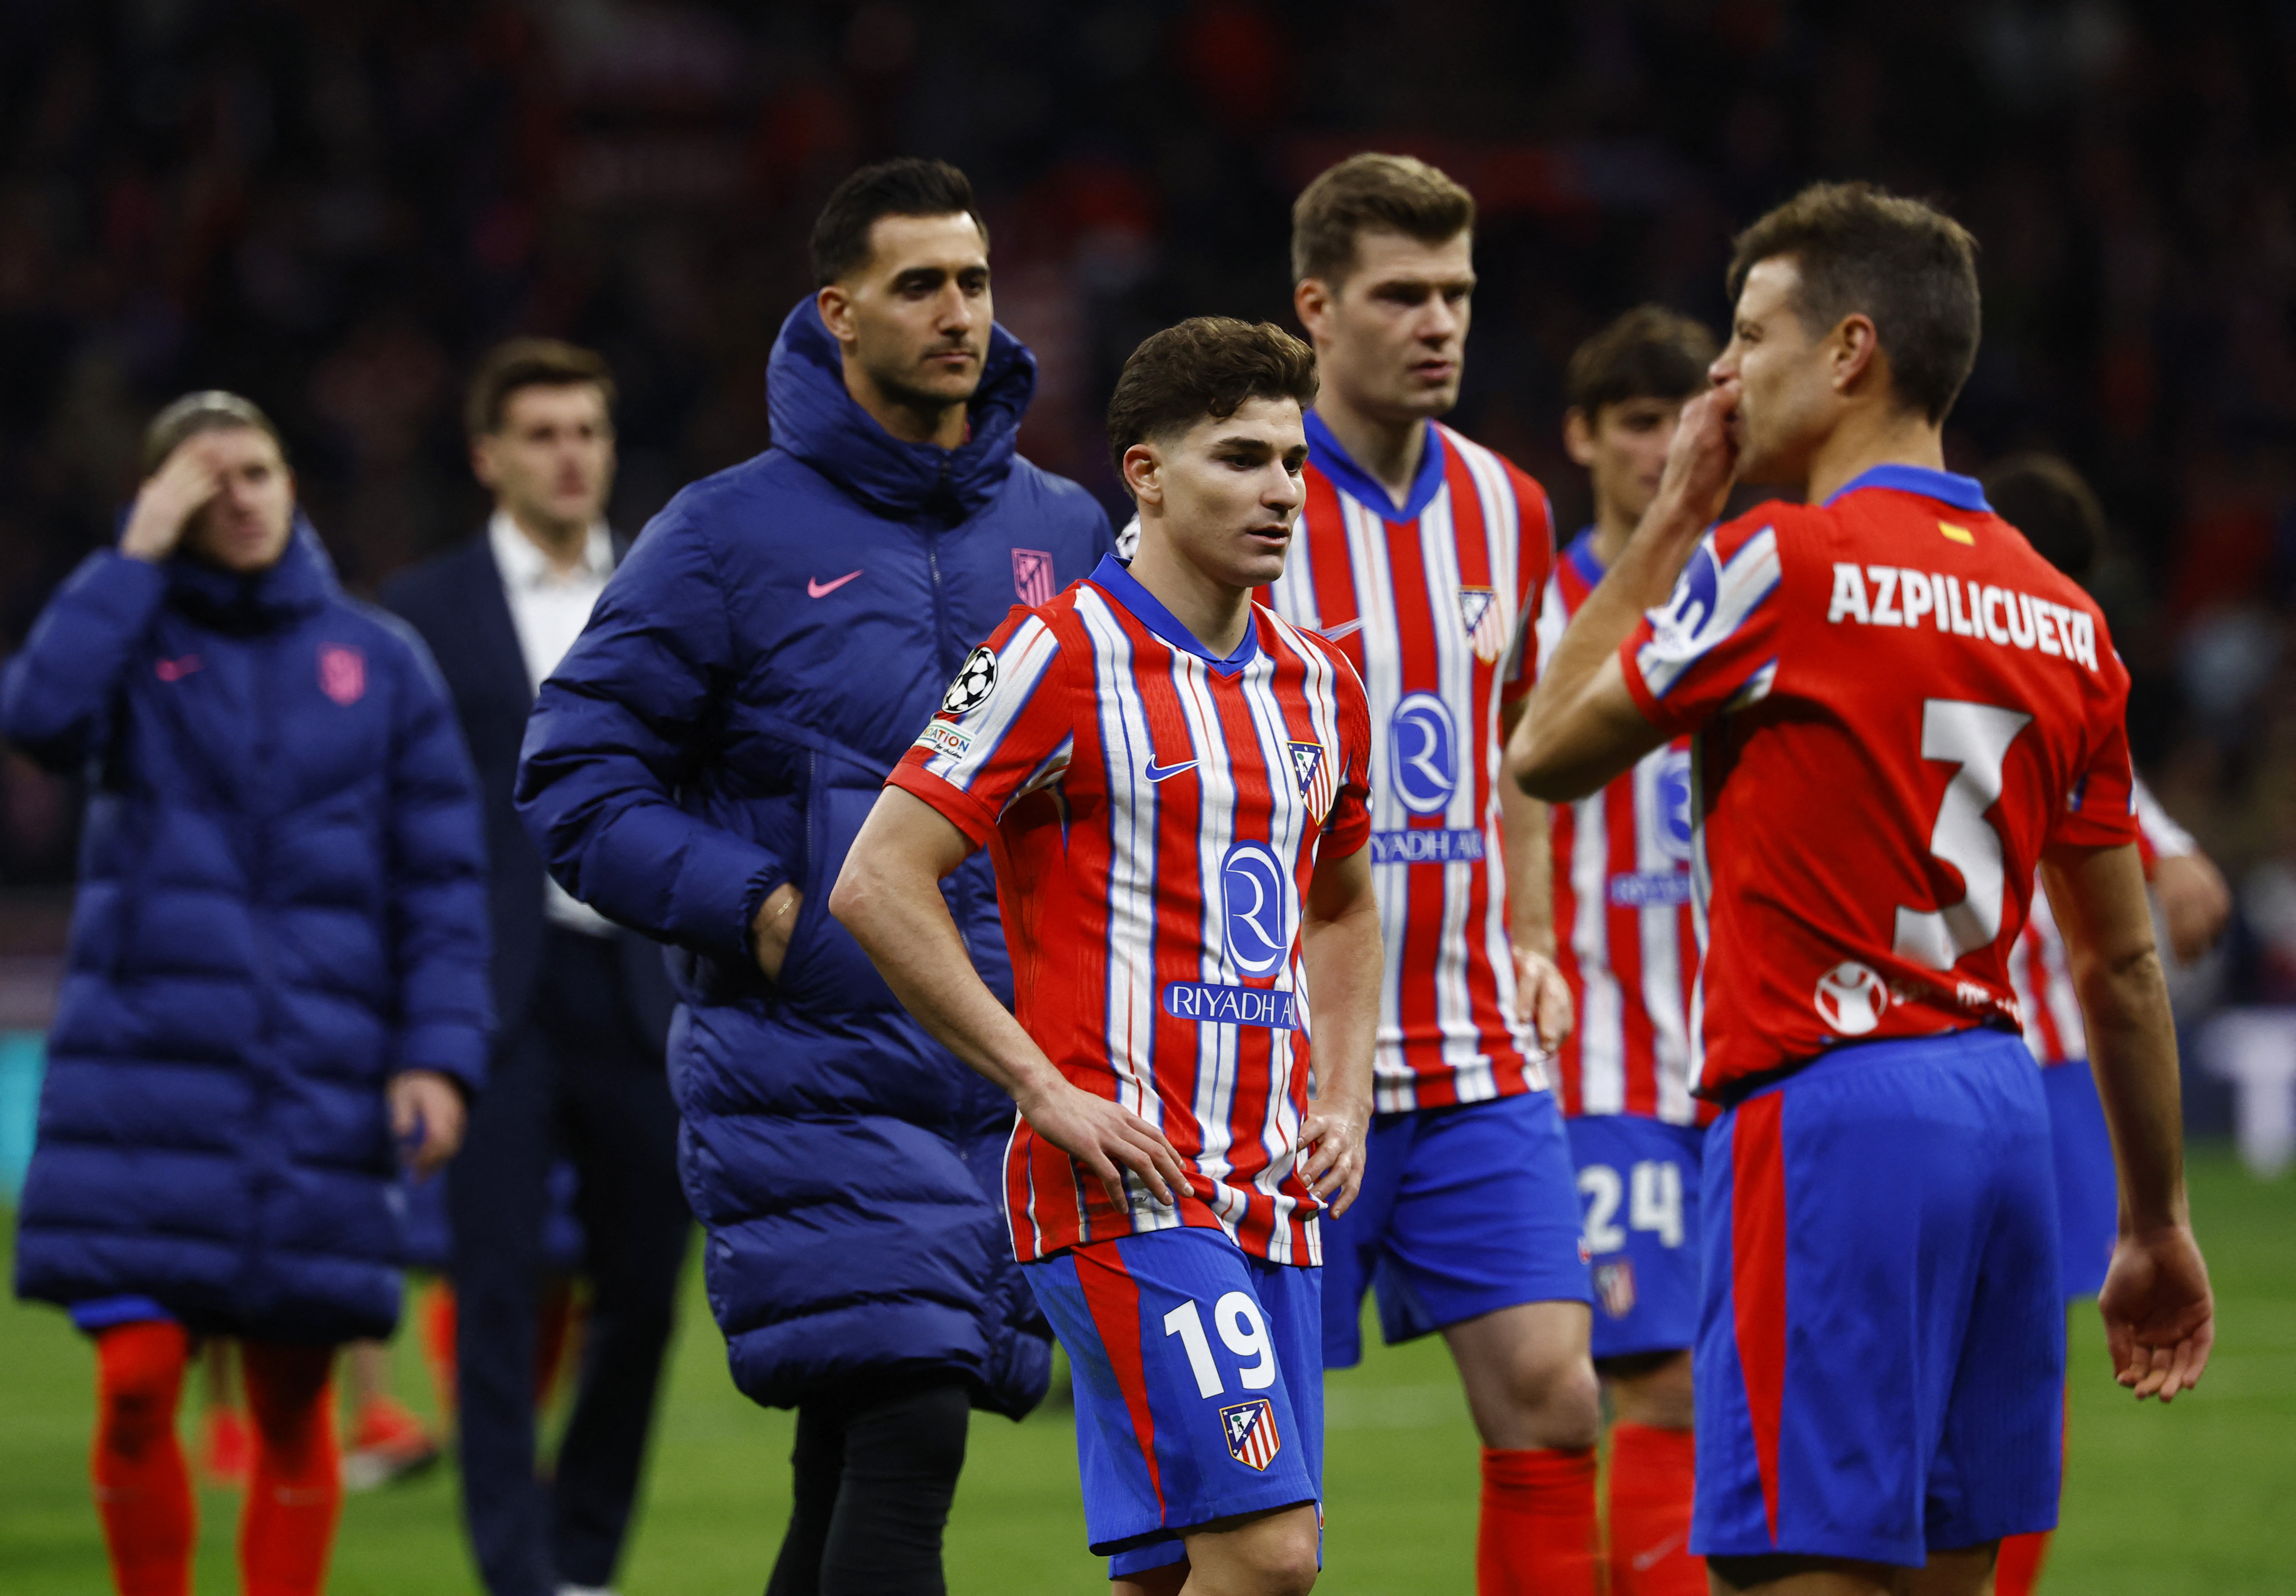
{"x":1555,"y":1390}
{"x":1277,"y":1556}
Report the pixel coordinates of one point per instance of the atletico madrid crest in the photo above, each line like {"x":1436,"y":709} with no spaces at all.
{"x":1250,"y":1430}
{"x":1033,"y":576}
{"x":1479,"y":607}
{"x":1614,"y":1284}
{"x":342,"y":673}
{"x":1315,"y":780}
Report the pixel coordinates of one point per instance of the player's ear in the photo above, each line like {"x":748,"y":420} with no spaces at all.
{"x":1311,"y":301}
{"x":1143,"y":473}
{"x":836,"y":308}
{"x":1855,"y":353}
{"x":1578,"y":436}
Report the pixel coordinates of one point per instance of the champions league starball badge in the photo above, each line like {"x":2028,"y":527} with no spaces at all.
{"x":973,"y":684}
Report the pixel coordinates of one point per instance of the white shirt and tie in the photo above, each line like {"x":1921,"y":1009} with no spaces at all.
{"x":548,"y":608}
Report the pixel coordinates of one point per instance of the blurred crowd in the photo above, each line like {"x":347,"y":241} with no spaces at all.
{"x":331,"y":209}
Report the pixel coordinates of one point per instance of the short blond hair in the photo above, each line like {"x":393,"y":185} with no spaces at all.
{"x":1395,"y":193}
{"x":210,"y":410}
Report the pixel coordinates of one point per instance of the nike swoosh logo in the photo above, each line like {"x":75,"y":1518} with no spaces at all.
{"x":815,"y":588}
{"x":1344,"y":629}
{"x":1164,"y":772}
{"x":176,"y":670}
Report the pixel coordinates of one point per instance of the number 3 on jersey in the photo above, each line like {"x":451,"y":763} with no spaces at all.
{"x":1653,"y":1190}
{"x":1240,"y":1327}
{"x":1975,"y":739}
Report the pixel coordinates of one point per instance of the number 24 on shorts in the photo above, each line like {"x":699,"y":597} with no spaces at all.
{"x":1654,"y":1194}
{"x":1238,"y":1320}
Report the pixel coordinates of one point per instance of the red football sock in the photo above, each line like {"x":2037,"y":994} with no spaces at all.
{"x":1651,"y":1475}
{"x":143,"y":1488}
{"x":1538,"y":1532}
{"x":297,"y":1491}
{"x":2019,"y":1567}
{"x":435,"y":1309}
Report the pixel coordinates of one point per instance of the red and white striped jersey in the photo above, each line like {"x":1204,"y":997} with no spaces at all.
{"x":1625,"y":930}
{"x":1431,"y":601}
{"x":1155,"y":815}
{"x":2038,"y":970}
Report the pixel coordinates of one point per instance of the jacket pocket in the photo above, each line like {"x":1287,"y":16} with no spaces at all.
{"x":826,"y":971}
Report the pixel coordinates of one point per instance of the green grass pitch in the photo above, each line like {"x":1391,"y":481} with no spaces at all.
{"x":2193,"y":1499}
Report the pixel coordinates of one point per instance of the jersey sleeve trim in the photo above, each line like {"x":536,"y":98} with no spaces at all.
{"x":959,"y":807}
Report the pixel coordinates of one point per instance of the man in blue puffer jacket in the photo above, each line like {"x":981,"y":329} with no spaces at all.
{"x":697,"y":768}
{"x":278,"y":970}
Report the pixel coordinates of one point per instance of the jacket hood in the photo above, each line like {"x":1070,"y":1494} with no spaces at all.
{"x":814,"y":419}
{"x":300,"y":583}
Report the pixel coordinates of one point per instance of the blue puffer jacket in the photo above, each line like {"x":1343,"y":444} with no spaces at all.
{"x":778,"y":637}
{"x":281,"y":903}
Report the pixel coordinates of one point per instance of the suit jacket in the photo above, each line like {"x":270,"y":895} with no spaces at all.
{"x":456,"y":601}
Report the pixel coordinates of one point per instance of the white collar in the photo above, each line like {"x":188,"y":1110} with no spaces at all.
{"x":524,"y":565}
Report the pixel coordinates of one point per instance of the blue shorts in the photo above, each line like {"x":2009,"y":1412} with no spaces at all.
{"x":2088,"y":1193}
{"x":1463,"y":1211}
{"x":1199,"y":1392}
{"x":1882,"y":1343}
{"x":1638,"y":1179}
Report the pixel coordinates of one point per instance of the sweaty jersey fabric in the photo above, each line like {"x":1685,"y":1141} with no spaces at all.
{"x":1625,"y":935}
{"x":1897,"y":705}
{"x":1429,"y":599}
{"x":1155,"y":815}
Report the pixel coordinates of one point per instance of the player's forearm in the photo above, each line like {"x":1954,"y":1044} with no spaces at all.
{"x":1344,"y":956}
{"x":1527,"y":833}
{"x":2099,"y":898}
{"x":893,"y":906}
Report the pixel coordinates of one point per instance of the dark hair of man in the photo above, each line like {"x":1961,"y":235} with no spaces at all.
{"x":1205,"y":368}
{"x":1907,"y":266}
{"x":210,"y":410}
{"x":1392,"y":193}
{"x":906,"y":187}
{"x":2053,"y":505}
{"x":529,"y":363}
{"x":1648,"y":353}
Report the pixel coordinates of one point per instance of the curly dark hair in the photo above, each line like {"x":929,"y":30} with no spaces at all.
{"x":1206,"y":367}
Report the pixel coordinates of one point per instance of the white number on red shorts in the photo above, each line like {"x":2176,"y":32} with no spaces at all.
{"x":1975,"y":738}
{"x":1241,"y":1327}
{"x":1652,"y":1195}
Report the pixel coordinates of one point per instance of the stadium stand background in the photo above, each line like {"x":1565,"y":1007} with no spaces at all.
{"x":332,"y":206}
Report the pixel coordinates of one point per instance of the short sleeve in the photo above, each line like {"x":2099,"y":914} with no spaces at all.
{"x":2101,"y":811}
{"x":1005,"y":728}
{"x":1347,"y":826}
{"x":2159,"y":837}
{"x":1519,"y":665}
{"x":1714,"y":645}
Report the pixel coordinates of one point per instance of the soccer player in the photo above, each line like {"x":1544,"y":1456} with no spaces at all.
{"x":1422,"y":554}
{"x":1900,"y":711}
{"x":2047,"y":501}
{"x":1172,"y":783}
{"x":1627,"y":941}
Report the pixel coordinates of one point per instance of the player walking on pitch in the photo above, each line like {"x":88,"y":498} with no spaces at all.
{"x":1626,"y":938}
{"x":1421,"y":554}
{"x":1900,"y":709}
{"x":1171,"y":780}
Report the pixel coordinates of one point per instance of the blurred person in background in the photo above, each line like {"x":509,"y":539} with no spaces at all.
{"x":698,"y":768}
{"x":585,"y":1008}
{"x":276,"y":985}
{"x":1626,"y":937}
{"x":1422,"y":554}
{"x":2045,"y":498}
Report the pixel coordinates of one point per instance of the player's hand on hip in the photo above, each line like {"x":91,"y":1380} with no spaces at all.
{"x":2160,"y":1318}
{"x":1106,"y":1138}
{"x":2194,"y":901}
{"x":1337,"y":1132}
{"x":427,"y":1118}
{"x":1543,"y":997}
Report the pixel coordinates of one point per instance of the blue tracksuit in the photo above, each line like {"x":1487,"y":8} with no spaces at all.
{"x":778,"y":637}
